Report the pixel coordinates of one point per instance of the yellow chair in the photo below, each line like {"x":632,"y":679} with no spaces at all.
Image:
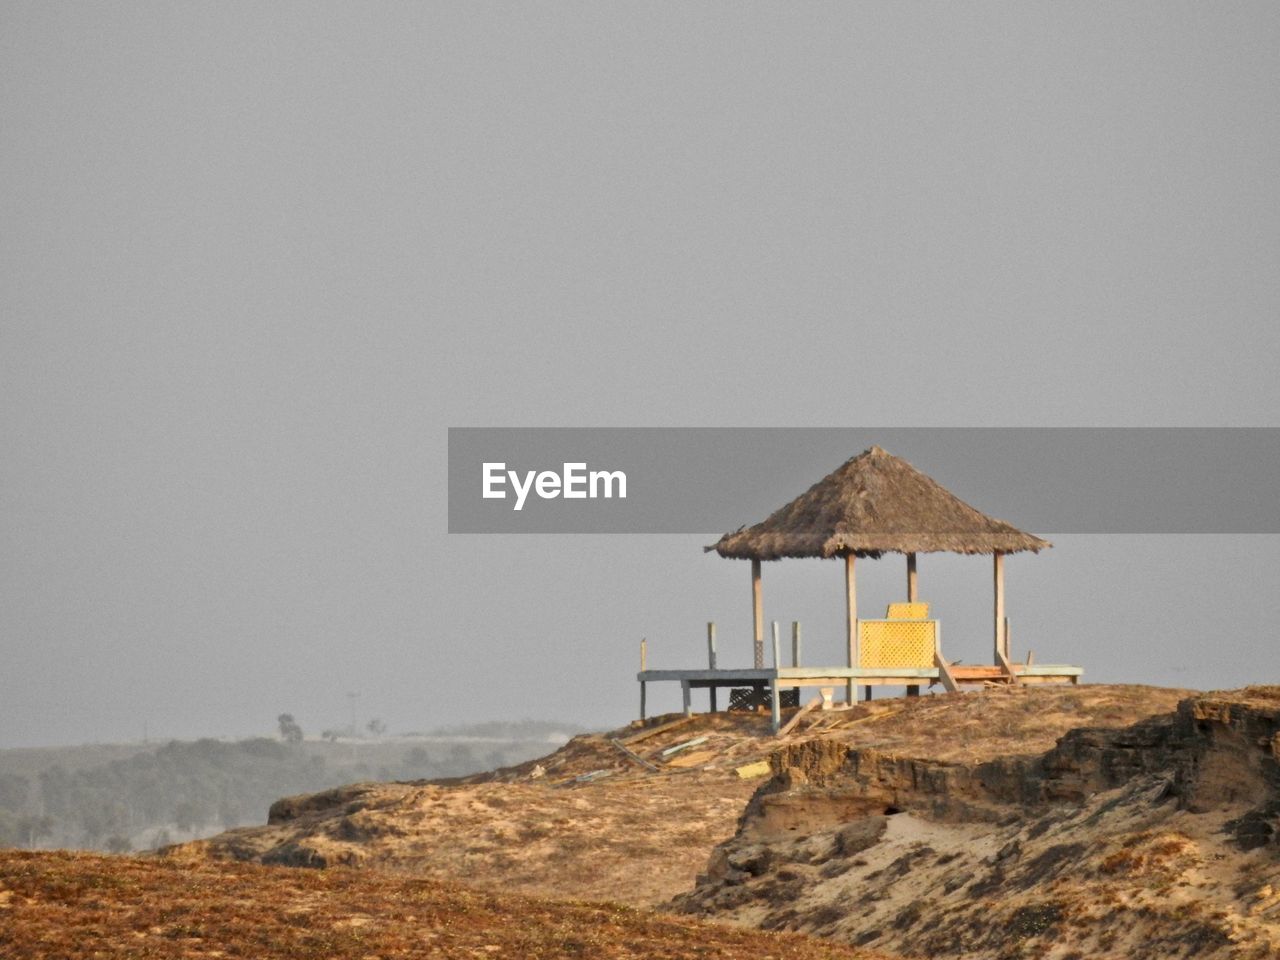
{"x":904,"y":639}
{"x":908,"y":611}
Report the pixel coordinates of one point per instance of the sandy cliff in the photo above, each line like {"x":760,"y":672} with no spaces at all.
{"x":591,"y":822}
{"x":1152,"y":840}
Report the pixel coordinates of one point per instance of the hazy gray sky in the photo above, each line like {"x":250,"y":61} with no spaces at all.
{"x":256,"y":258}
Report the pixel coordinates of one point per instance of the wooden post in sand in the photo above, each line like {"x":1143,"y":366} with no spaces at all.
{"x":1000,"y":646}
{"x":643,"y":666}
{"x":775,"y":703}
{"x":913,"y":594}
{"x":851,"y":618}
{"x":711,"y":659}
{"x":757,"y":614}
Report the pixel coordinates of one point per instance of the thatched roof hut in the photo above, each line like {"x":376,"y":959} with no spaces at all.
{"x":874,"y":504}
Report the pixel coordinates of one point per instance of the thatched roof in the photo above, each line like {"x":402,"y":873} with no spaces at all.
{"x":875,"y":503}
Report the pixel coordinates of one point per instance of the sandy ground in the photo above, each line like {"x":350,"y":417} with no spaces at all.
{"x":637,"y":835}
{"x":58,"y":905}
{"x":1161,"y":865}
{"x":1116,"y":879}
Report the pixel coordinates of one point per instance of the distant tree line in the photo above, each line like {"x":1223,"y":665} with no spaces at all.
{"x":184,"y":789}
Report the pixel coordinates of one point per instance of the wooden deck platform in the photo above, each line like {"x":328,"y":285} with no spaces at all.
{"x":773,"y":679}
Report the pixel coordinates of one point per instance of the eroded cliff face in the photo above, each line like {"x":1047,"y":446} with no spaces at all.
{"x":1009,"y":822}
{"x":1153,"y":840}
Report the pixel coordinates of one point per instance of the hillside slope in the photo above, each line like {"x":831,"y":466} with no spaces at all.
{"x":55,"y":905}
{"x":590,"y":822}
{"x":1155,"y":841}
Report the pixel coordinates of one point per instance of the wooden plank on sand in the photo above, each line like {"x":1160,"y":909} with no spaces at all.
{"x":944,"y":671}
{"x":695,"y":758}
{"x":750,"y":771}
{"x":791,"y":724}
{"x":660,"y":728}
{"x":633,"y":756}
{"x":1006,"y":667}
{"x":682,"y":746}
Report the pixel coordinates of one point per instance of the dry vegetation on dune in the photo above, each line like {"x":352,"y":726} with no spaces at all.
{"x":635,"y":841}
{"x":637,"y":835}
{"x":1151,"y":841}
{"x":995,"y":722}
{"x":996,"y":824}
{"x":59,"y":905}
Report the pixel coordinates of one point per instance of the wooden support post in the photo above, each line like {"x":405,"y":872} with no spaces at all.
{"x":775,"y":702}
{"x":913,"y":594}
{"x":644,"y":651}
{"x":757,"y":614}
{"x":685,"y":698}
{"x":711,"y":660}
{"x":795,"y":721}
{"x":795,"y":643}
{"x":944,"y":671}
{"x":866,"y":693}
{"x":1006,"y":667}
{"x":999,"y":608}
{"x":851,"y":618}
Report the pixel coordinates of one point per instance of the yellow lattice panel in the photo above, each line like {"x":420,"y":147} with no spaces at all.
{"x":897,"y":643}
{"x":908,"y":611}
